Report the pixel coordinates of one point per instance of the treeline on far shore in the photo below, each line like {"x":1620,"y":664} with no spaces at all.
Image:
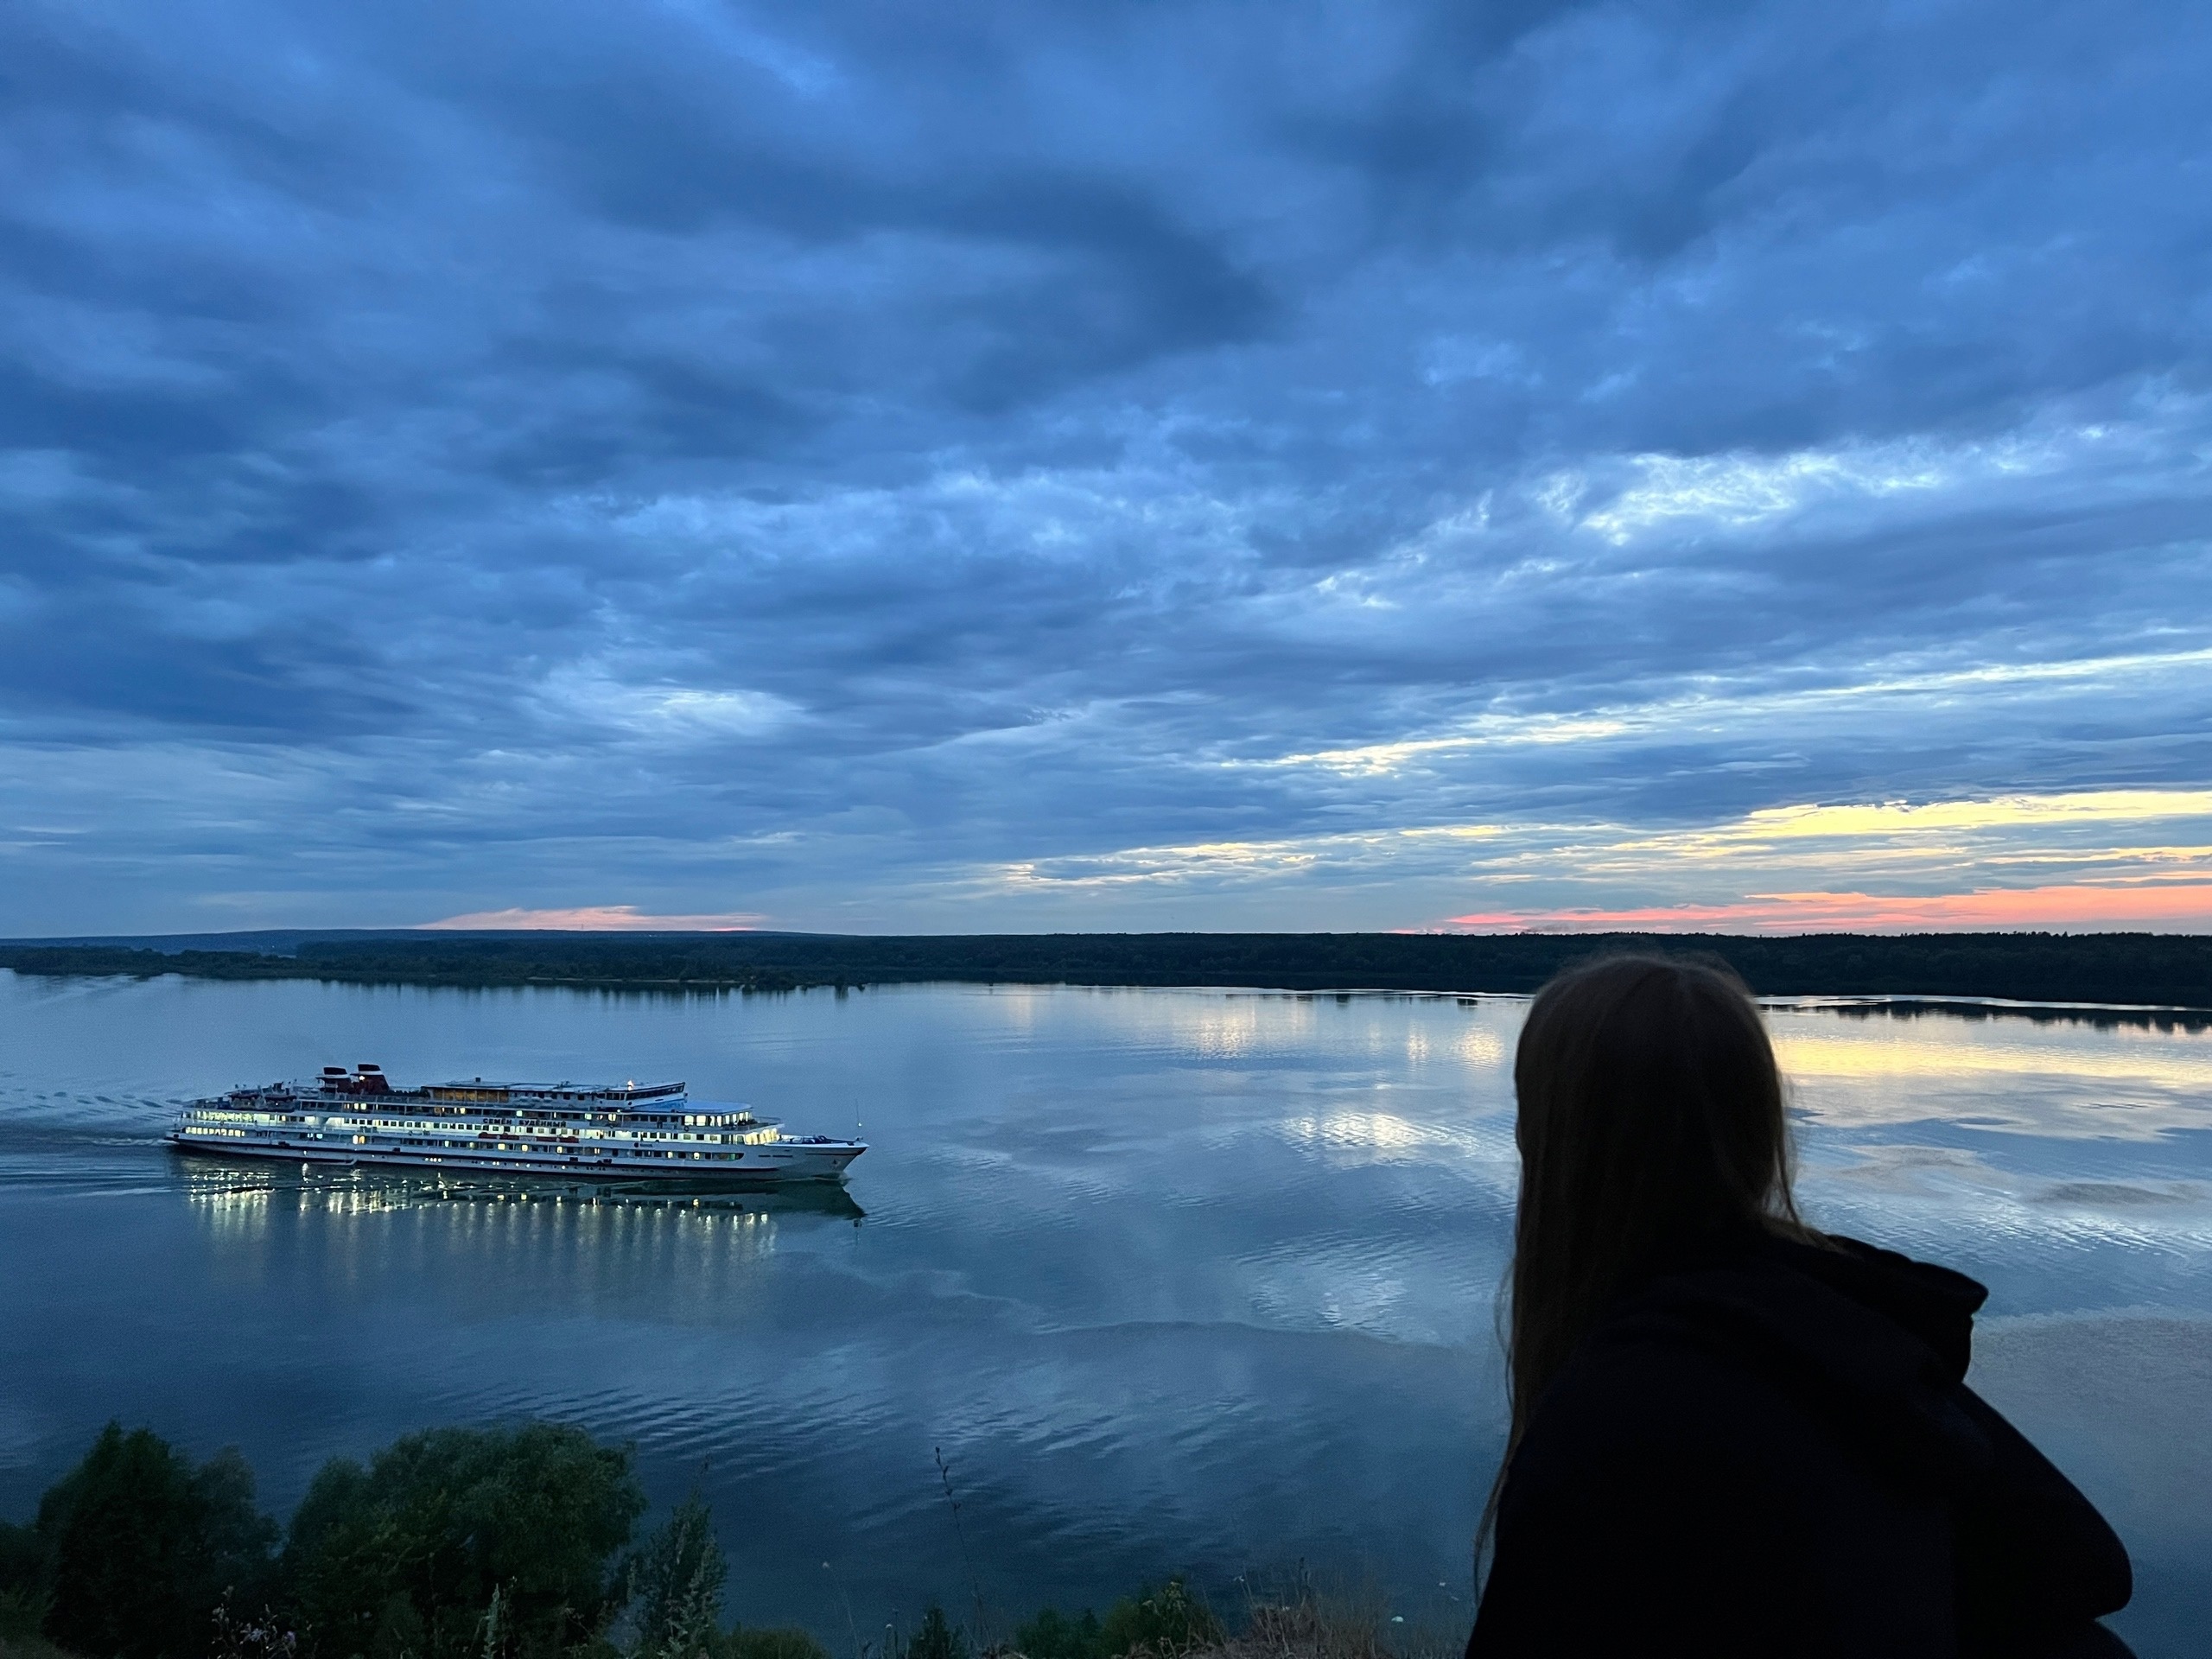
{"x":514,"y":1543}
{"x":2164,"y":969}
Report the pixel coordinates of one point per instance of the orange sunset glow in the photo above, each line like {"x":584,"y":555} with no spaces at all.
{"x":2179,"y":908}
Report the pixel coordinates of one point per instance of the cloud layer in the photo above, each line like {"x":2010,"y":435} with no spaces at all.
{"x":993,"y":467}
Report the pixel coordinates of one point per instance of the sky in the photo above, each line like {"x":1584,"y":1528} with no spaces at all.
{"x":986,"y":467}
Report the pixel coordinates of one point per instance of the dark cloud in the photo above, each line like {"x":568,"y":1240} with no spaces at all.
{"x":838,"y":460}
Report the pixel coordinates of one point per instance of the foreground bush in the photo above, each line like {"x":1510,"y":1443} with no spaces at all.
{"x":500,"y":1543}
{"x":493,"y":1543}
{"x":445,"y":1545}
{"x":133,"y":1549}
{"x":1166,"y":1621}
{"x":457,"y":1543}
{"x":770,"y":1643}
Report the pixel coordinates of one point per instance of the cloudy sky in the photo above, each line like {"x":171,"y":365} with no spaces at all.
{"x":1105,"y":465}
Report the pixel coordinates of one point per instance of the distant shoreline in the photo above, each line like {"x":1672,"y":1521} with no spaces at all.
{"x":2133,"y":976}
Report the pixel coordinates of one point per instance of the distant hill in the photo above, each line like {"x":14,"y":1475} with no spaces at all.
{"x":2159,"y":969}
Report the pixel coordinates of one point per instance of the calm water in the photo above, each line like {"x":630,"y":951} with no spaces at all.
{"x":1190,"y":1281}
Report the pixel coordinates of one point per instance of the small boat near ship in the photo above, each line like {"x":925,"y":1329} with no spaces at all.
{"x":628,"y":1131}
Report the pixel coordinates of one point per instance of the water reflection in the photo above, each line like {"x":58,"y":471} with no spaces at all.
{"x":492,"y":1247}
{"x":224,"y":1183}
{"x":1384,"y":1133}
{"x":1980,"y":1009}
{"x":2052,"y":1080}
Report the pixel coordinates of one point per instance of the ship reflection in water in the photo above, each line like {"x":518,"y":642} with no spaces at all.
{"x":356,"y":1238}
{"x":221,"y":1186}
{"x":1175,"y":1280}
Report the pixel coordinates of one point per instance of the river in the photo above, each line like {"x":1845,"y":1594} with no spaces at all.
{"x":1143,"y":1280}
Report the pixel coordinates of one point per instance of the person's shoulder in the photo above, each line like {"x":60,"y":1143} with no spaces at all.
{"x":1756,"y":1352}
{"x":1729,"y":1350}
{"x":1661,"y":1480}
{"x":1650,"y":1383}
{"x":1689,"y":1327}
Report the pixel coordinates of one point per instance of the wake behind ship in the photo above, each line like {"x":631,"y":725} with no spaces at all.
{"x":630,"y":1130}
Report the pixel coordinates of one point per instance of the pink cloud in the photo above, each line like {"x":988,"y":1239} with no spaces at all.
{"x":601,"y":918}
{"x":2178,"y":907}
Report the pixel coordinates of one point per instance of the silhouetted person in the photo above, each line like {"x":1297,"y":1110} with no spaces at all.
{"x":1731,"y":1434}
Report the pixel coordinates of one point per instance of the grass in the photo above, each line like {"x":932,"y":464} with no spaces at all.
{"x":1301,"y":1620}
{"x":1294,"y":1618}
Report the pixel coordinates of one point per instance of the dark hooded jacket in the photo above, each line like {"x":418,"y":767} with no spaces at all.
{"x":1768,"y":1448}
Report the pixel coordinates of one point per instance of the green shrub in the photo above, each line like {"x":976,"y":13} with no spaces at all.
{"x":937,"y":1638}
{"x":1168,"y":1620}
{"x":785,"y":1644}
{"x":23,"y":1572}
{"x":1052,"y":1634}
{"x":462,"y":1544}
{"x":22,"y":1611}
{"x":30,"y":1647}
{"x":675,"y":1584}
{"x":139,"y":1547}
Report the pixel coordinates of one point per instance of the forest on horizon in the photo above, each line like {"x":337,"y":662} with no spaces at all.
{"x":2160,"y":970}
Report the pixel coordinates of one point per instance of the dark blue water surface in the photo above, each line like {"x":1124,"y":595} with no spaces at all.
{"x":1190,"y":1281}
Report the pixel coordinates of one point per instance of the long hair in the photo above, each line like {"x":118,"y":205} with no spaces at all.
{"x":1650,"y":1111}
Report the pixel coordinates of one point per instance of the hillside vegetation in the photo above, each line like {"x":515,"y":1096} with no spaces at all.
{"x":511,"y":1542}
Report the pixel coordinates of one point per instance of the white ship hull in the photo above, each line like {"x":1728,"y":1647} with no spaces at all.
{"x":614,"y":1131}
{"x":825,"y":1164}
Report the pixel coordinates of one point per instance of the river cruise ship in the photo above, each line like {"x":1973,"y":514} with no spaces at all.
{"x":631,"y":1131}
